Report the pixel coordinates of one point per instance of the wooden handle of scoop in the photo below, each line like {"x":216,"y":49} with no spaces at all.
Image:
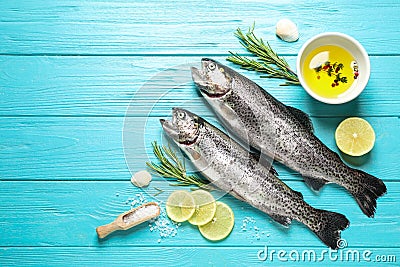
{"x":124,"y":222}
{"x":105,"y":230}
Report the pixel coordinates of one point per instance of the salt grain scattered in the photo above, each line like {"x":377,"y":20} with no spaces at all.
{"x":249,"y":226}
{"x":162,"y":224}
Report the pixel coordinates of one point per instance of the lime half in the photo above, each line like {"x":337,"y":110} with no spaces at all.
{"x":180,"y":206}
{"x":221,"y":224}
{"x":355,"y":136}
{"x":205,"y":207}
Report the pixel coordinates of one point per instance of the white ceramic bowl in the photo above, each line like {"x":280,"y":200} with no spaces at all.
{"x":352,"y":46}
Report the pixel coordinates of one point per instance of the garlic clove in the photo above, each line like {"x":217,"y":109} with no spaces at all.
{"x":141,"y":179}
{"x":287,"y":30}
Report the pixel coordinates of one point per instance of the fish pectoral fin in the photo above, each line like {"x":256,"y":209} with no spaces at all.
{"x":285,"y":221}
{"x":237,"y":195}
{"x":193,"y":153}
{"x":302,"y":117}
{"x":315,"y":183}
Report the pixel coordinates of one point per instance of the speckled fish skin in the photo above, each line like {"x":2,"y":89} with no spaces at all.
{"x":280,"y":132}
{"x":233,"y":169}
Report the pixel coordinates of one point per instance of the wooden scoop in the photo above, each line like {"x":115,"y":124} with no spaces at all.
{"x":130,"y":219}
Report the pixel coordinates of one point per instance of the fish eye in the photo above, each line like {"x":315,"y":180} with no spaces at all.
{"x":212,"y":66}
{"x":181,"y":115}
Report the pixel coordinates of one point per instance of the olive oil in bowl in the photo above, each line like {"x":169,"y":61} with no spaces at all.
{"x":330,"y":70}
{"x":333,"y":67}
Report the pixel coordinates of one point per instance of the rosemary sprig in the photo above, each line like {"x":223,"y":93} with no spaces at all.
{"x":268,"y":61}
{"x":172,"y":167}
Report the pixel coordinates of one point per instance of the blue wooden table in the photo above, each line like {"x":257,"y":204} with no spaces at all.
{"x":83,"y":85}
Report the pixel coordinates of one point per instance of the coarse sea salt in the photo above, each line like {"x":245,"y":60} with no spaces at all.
{"x":139,"y":214}
{"x":162,"y":224}
{"x":249,"y":226}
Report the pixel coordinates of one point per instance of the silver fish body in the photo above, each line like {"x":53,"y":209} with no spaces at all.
{"x":281,"y":132}
{"x":236,"y":171}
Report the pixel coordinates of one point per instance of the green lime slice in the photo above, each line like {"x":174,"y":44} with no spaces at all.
{"x":355,"y":136}
{"x":221,"y":224}
{"x":205,"y":207}
{"x":180,"y":206}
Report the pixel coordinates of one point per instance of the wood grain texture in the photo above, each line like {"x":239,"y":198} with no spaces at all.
{"x":67,"y":213}
{"x":83,"y":85}
{"x":107,"y":86}
{"x":185,"y":27}
{"x":97,"y":148}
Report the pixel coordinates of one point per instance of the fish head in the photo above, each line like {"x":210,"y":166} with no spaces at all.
{"x":214,"y":79}
{"x":184,"y":128}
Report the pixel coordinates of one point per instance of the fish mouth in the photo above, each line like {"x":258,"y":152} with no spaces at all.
{"x":198,"y":76}
{"x":170,"y":129}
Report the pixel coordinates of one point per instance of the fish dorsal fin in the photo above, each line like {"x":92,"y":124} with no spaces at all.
{"x":302,"y":117}
{"x":285,"y":221}
{"x":315,"y":183}
{"x":273,"y":171}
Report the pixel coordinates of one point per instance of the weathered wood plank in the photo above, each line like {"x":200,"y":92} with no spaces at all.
{"x":65,"y":214}
{"x":176,"y":27}
{"x":93,"y":148}
{"x":107,"y":86}
{"x":195,"y":256}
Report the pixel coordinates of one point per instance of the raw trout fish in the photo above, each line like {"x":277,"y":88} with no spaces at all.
{"x":281,"y":132}
{"x":233,"y":169}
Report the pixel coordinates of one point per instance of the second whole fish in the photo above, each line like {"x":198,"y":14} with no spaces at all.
{"x":236,"y":171}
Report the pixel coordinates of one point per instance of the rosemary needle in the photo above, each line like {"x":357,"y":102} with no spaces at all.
{"x":159,"y":191}
{"x":267,"y":61}
{"x":171,"y":167}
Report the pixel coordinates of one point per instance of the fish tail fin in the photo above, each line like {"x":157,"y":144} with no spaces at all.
{"x":327,"y":226}
{"x":367,"y":192}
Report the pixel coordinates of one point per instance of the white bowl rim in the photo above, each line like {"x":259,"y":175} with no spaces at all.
{"x":366,"y":73}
